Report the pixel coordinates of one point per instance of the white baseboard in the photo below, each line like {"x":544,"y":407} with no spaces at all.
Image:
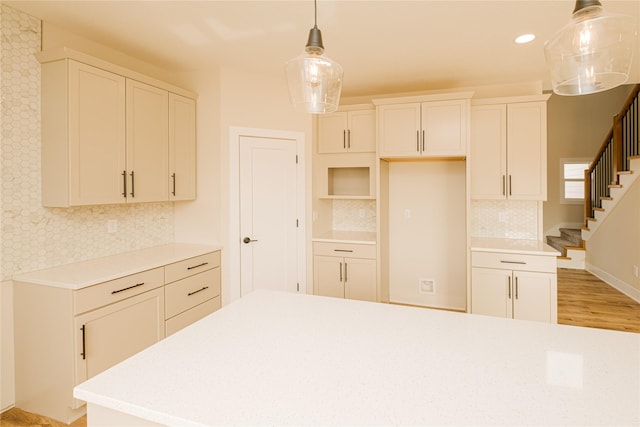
{"x":618,"y":284}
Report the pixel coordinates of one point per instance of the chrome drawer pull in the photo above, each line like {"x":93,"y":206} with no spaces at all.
{"x":514,"y":262}
{"x":343,"y":250}
{"x":199,"y":290}
{"x":196,"y":266}
{"x":126,"y":289}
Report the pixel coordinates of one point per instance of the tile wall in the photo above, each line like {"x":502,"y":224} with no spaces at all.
{"x":33,"y":237}
{"x":504,"y":219}
{"x":354,"y":215}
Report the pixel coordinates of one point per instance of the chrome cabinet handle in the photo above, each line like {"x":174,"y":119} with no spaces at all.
{"x":132,"y":184}
{"x":344,"y":139}
{"x":423,"y":138}
{"x":345,"y":272}
{"x":340,"y":272}
{"x":196,"y":266}
{"x":348,"y":138}
{"x":509,"y":279}
{"x":173,"y":177}
{"x":510,"y":185}
{"x":504,"y":185}
{"x":418,"y":141}
{"x":516,"y":287}
{"x":513,"y":262}
{"x":84,"y":352}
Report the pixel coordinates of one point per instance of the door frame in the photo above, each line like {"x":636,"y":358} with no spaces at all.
{"x":235,"y":134}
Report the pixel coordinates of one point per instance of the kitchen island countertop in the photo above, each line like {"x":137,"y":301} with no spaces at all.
{"x":518,"y":246}
{"x":275,"y":358}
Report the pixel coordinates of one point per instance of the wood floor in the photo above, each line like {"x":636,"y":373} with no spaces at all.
{"x":583,"y":300}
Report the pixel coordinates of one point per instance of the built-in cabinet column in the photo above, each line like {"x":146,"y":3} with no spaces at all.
{"x":509,"y":148}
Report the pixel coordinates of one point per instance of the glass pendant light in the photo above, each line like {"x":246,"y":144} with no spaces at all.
{"x":593,"y":52}
{"x":315,"y":81}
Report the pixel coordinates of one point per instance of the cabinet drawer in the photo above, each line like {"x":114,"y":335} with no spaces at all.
{"x":102,"y":294}
{"x":512,"y":261}
{"x":189,"y":267}
{"x":178,"y":322}
{"x":191,"y":291}
{"x":349,"y":250}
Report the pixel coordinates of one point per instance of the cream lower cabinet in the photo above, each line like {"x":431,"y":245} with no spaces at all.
{"x":344,"y":270}
{"x":192,"y":290}
{"x":65,"y":335}
{"x":514,"y":286}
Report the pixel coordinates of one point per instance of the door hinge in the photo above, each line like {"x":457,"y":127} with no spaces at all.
{"x":297,"y":287}
{"x":297,"y":224}
{"x":296,"y":159}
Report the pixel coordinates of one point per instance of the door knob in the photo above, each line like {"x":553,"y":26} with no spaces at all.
{"x":248,"y":240}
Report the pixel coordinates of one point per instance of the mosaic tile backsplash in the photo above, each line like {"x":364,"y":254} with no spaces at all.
{"x":33,"y":237}
{"x":354,"y":215}
{"x":504,"y":219}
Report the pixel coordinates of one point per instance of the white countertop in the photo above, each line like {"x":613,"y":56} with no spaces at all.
{"x":520,"y":246}
{"x":287,"y":359}
{"x":338,"y":236}
{"x":87,"y":273}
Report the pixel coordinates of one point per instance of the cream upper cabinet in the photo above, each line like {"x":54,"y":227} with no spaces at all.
{"x":436,"y":128}
{"x":106,"y":132}
{"x":182,"y":148}
{"x":509,"y":149}
{"x":347,"y":132}
{"x":83,"y":141}
{"x":147,"y":142}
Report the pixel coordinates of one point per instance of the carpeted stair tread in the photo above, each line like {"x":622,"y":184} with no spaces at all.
{"x":573,"y":235}
{"x":559,"y":243}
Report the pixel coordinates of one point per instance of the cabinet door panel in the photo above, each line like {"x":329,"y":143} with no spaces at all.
{"x":362,"y":131}
{"x":488,"y":152}
{"x":532,"y":296}
{"x":118,"y":331}
{"x":398,"y":130}
{"x":147,"y":142}
{"x":327,"y":276}
{"x":182,"y":148}
{"x":96,"y":135}
{"x":360,"y":280}
{"x":527,"y":152}
{"x":332,"y":133}
{"x":444,"y":128}
{"x":490,"y":292}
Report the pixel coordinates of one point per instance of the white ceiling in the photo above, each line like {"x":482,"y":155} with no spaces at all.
{"x":384,"y":46}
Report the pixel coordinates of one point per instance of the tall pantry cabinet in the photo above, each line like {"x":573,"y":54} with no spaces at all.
{"x":110,"y":135}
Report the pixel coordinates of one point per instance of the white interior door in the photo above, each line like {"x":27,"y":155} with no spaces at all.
{"x":268,"y":218}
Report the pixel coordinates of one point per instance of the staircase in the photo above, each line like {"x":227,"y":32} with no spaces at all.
{"x":613,"y":171}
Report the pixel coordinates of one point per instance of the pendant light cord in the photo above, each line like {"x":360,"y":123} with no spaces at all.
{"x":315,"y":13}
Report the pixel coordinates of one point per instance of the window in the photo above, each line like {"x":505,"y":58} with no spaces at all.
{"x":572,"y":180}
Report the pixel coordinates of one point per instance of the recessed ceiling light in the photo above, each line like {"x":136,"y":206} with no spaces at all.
{"x":525,"y":38}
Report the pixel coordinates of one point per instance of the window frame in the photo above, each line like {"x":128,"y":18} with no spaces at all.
{"x":563,"y":180}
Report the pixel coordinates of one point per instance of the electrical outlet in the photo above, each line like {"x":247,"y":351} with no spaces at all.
{"x":112,"y":226}
{"x":361,"y":213}
{"x":426,"y":286}
{"x":502,"y":217}
{"x":407,"y":213}
{"x":635,"y":271}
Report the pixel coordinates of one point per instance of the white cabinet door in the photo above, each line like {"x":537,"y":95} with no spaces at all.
{"x":444,"y":128}
{"x":182,"y":148}
{"x":490,"y":292}
{"x":332,"y":133}
{"x":347,"y":132}
{"x":532,"y":296}
{"x":327,"y":276}
{"x":96,"y":140}
{"x":489,"y":152}
{"x":109,"y":335}
{"x":147,"y":142}
{"x":527,"y":150}
{"x":360,"y":279}
{"x":362,"y":131}
{"x":399,"y":130}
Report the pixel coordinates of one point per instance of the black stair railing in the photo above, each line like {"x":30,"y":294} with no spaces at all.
{"x":621,"y":143}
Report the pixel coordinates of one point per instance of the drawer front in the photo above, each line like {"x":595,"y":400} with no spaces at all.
{"x":186,"y":318}
{"x":102,"y":294}
{"x":186,"y":293}
{"x":347,"y":250}
{"x":189,"y":267}
{"x":511,"y":261}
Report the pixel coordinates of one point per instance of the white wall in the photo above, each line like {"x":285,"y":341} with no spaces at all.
{"x":252,"y":100}
{"x":614,"y":248}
